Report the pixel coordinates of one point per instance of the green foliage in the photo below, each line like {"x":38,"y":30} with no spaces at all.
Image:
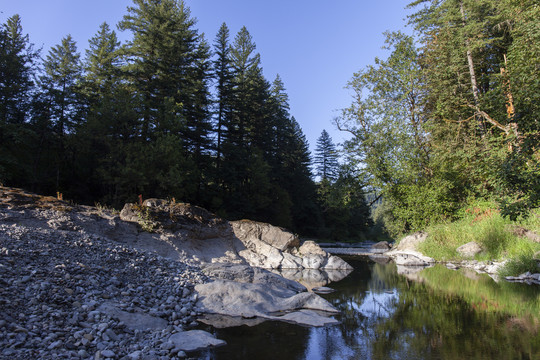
{"x":520,"y":265}
{"x":453,"y":116}
{"x":480,"y":222}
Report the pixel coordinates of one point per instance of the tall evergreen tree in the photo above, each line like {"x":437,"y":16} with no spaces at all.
{"x":223,"y":75}
{"x":111,"y":121}
{"x":167,"y":65}
{"x":326,"y":158}
{"x":17,"y":67}
{"x":60,"y":102}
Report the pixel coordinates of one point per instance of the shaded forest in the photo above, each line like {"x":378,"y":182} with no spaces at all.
{"x":167,"y":114}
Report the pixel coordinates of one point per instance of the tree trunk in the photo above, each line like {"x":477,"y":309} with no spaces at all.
{"x":472,"y":73}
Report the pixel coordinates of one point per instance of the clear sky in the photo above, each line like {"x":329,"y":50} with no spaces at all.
{"x":314,"y":45}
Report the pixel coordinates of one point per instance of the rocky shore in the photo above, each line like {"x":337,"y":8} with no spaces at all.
{"x":80,"y":282}
{"x":410,"y":260}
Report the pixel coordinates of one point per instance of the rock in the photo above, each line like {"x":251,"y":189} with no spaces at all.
{"x":255,"y":300}
{"x":410,"y":258}
{"x":381,"y":245}
{"x":313,"y":261}
{"x":322,"y":290}
{"x":470,"y":249}
{"x":337,"y":263}
{"x":308,"y":317}
{"x":54,"y":345}
{"x":411,"y":242}
{"x":223,"y":321}
{"x":135,"y":355}
{"x":527,"y":278}
{"x":311,"y":278}
{"x":310,"y":247}
{"x":108,"y":353}
{"x":252,"y":231}
{"x":522,"y":232}
{"x":194,"y":340}
{"x":135,"y":321}
{"x":253,"y":275}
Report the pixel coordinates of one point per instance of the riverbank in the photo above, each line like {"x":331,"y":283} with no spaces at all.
{"x":92,"y":283}
{"x":516,"y":257}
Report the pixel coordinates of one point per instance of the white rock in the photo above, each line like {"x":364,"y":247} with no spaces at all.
{"x":194,"y":340}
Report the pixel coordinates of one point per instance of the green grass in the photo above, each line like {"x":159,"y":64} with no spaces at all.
{"x":484,"y":224}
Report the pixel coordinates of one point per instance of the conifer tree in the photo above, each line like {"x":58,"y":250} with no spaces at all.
{"x":17,"y":67}
{"x":223,"y":75}
{"x":60,"y":108}
{"x":326,"y":158}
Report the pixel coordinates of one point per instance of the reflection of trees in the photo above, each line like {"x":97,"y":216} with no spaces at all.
{"x":446,"y":316}
{"x":428,"y":323}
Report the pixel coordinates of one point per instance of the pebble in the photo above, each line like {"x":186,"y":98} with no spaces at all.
{"x":108,"y":353}
{"x":58,"y":267}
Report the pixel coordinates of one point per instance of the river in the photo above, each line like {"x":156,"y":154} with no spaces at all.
{"x":436,"y":313}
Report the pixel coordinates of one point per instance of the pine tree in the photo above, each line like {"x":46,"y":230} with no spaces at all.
{"x":326,"y":158}
{"x":168,"y":66}
{"x":61,"y":107}
{"x":110,"y":122}
{"x":223,"y":75}
{"x":17,"y":67}
{"x":17,"y":59}
{"x":63,"y":71}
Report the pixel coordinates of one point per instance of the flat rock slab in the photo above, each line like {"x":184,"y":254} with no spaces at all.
{"x":260,"y":300}
{"x":194,"y":340}
{"x":410,"y":258}
{"x":135,"y":321}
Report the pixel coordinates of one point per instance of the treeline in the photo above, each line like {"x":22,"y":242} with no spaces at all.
{"x":166,"y":115}
{"x":451,"y":117}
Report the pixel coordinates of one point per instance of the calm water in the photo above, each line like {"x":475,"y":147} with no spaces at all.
{"x":434,"y":314}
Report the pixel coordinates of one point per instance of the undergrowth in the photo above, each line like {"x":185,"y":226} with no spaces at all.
{"x":483,"y":223}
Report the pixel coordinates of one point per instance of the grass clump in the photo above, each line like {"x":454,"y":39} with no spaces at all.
{"x":519,"y":265}
{"x":482,"y":223}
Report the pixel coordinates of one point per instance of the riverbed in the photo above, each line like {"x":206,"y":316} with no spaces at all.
{"x":435,"y":313}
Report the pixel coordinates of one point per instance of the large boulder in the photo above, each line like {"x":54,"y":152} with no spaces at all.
{"x":411,"y":242}
{"x":406,"y":254}
{"x":249,"y":300}
{"x":470,"y":249}
{"x":253,"y":232}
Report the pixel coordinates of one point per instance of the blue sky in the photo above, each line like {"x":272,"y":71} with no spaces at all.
{"x":314,"y":45}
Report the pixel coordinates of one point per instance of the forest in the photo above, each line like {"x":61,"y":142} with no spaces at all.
{"x":448,"y":120}
{"x":168,"y":115}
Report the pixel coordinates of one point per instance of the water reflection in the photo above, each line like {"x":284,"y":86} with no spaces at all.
{"x":442,"y":314}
